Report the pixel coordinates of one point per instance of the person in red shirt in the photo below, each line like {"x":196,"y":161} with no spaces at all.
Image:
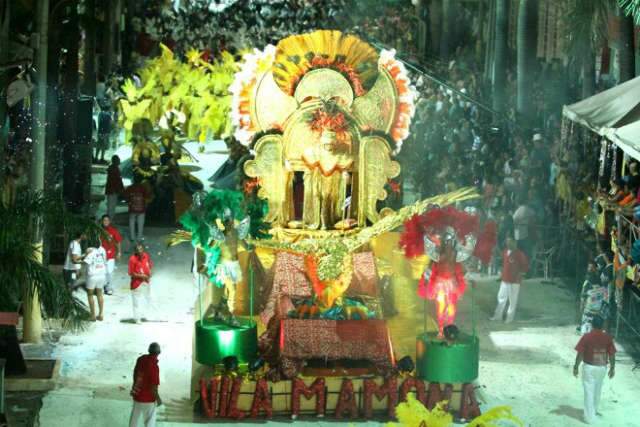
{"x":110,"y":240}
{"x":140,"y":266}
{"x":514,"y":265}
{"x":138,"y":196}
{"x":596,"y":349}
{"x":114,"y":187}
{"x":146,"y":379}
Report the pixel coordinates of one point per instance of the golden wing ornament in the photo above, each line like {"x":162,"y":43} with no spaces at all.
{"x":268,"y":168}
{"x":345,"y":53}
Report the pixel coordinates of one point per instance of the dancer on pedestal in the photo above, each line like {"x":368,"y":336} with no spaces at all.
{"x":449,"y":237}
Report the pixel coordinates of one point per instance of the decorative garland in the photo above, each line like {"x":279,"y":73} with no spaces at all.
{"x":255,"y":64}
{"x":209,"y":396}
{"x":224,"y":392}
{"x":389,"y":390}
{"x":347,"y":401}
{"x":412,"y":383}
{"x":261,"y":399}
{"x":316,"y":389}
{"x":407,"y":95}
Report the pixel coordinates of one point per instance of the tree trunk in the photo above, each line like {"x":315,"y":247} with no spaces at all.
{"x":447,"y":31}
{"x":423,"y":29}
{"x":55,"y":145}
{"x":526,"y":52}
{"x":490,"y":42}
{"x":117,"y":39}
{"x":627,"y":54}
{"x":32,"y":318}
{"x":500,"y":59}
{"x":89,"y":23}
{"x":588,"y":74}
{"x":72,"y":159}
{"x":108,"y":35}
{"x":132,"y":10}
{"x":435,"y":20}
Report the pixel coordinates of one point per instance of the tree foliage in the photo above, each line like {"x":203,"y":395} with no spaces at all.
{"x":587,"y":24}
{"x":31,"y":217}
{"x":631,"y":8}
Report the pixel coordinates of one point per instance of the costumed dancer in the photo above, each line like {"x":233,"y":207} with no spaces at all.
{"x":449,"y":237}
{"x":228,"y":235}
{"x":594,"y":298}
{"x":219,"y":223}
{"x":446,"y":282}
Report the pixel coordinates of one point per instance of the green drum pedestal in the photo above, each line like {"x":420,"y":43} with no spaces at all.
{"x":216,"y":340}
{"x":441,"y":363}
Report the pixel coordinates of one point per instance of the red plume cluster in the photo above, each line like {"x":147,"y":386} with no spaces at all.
{"x":436,"y":220}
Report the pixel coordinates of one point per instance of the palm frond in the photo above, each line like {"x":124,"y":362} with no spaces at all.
{"x":34,"y":216}
{"x":631,"y":8}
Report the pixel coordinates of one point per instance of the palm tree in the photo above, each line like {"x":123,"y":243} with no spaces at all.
{"x":500,"y":58}
{"x":587,"y":24}
{"x":25,"y":218}
{"x":526,"y":51}
{"x":631,"y":8}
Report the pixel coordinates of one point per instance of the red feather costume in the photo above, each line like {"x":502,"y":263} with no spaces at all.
{"x":446,"y":280}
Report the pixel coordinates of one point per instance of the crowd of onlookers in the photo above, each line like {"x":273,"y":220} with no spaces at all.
{"x":528,"y":177}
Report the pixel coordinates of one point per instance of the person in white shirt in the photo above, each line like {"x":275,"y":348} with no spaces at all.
{"x":73,"y":260}
{"x":523,"y":219}
{"x":96,"y":260}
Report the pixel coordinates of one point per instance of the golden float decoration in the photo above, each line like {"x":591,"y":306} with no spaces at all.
{"x":324,"y":114}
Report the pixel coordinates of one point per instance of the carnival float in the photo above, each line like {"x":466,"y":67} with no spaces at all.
{"x":306,"y":288}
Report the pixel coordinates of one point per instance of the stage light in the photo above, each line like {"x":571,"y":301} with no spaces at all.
{"x":451,"y":332}
{"x":256,"y":365}
{"x":230,"y":363}
{"x":405,"y":364}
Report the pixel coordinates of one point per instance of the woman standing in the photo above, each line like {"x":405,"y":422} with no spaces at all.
{"x":96,"y":260}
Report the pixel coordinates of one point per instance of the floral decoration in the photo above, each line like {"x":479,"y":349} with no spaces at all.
{"x":330,"y":118}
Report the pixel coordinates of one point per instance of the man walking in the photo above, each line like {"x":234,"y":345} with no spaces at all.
{"x":596,"y":349}
{"x":140,"y":266}
{"x":111,"y":244}
{"x":146,"y":379}
{"x":514,"y":265}
{"x":137,"y":198}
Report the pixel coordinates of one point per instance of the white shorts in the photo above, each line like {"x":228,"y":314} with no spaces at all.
{"x":229,"y":271}
{"x":96,"y":282}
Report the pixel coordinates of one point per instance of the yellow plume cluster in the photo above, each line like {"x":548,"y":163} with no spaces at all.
{"x":413,"y":413}
{"x":196,"y":88}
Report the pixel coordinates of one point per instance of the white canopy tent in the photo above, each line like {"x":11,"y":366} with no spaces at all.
{"x":609,"y":110}
{"x":627,"y":138}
